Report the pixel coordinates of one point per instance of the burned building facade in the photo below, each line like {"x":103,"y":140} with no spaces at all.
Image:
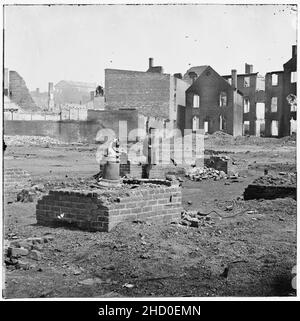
{"x":212,"y":103}
{"x":280,"y":86}
{"x":266,"y":107}
{"x":252,"y":86}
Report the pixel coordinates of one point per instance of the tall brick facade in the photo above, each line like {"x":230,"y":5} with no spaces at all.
{"x":152,"y":94}
{"x":147,"y":92}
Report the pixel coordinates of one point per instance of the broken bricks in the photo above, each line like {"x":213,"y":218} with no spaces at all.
{"x":195,"y":219}
{"x":29,"y":247}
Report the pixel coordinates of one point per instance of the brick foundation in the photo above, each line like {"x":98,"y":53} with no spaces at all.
{"x":101,"y":210}
{"x":15,"y":179}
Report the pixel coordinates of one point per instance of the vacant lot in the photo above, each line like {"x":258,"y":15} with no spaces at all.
{"x":250,"y":251}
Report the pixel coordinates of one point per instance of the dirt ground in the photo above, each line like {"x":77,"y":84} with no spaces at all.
{"x":255,"y":243}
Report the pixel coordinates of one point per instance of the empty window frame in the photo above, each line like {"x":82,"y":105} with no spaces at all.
{"x":293,"y":76}
{"x":259,"y":128}
{"x":195,"y":124}
{"x":293,"y":126}
{"x":274,"y":79}
{"x":260,"y":111}
{"x":274,"y":101}
{"x":246,"y":127}
{"x":274,"y":128}
{"x":196,"y":101}
{"x":223,"y":99}
{"x":206,"y":127}
{"x":246,"y":81}
{"x":246,"y":105}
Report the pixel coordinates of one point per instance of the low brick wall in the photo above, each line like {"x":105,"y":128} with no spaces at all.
{"x":15,"y":179}
{"x":102,"y":210}
{"x":269,"y":192}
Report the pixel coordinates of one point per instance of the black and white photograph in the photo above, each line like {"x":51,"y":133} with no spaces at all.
{"x":149,"y":151}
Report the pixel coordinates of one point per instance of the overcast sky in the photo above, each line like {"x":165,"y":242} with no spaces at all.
{"x":52,"y":43}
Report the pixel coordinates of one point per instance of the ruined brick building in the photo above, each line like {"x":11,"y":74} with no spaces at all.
{"x":280,"y":115}
{"x":267,"y":111}
{"x":252,"y":86}
{"x":154,"y":94}
{"x":17,"y":93}
{"x":212,"y":103}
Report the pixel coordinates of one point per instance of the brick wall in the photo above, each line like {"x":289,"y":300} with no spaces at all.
{"x":19,"y":92}
{"x":217,"y":163}
{"x":148,"y":92}
{"x":269,"y":192}
{"x":15,"y":179}
{"x":70,"y":131}
{"x":92,"y":211}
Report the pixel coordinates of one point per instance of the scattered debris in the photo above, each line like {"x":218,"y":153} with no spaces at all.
{"x":199,"y":174}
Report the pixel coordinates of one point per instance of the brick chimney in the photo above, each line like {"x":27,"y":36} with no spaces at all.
{"x":234,"y":78}
{"x":294,"y":50}
{"x":50,"y":96}
{"x":150,"y":63}
{"x":178,"y":75}
{"x":248,"y":69}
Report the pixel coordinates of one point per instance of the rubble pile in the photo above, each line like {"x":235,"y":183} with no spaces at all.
{"x":199,"y":174}
{"x":16,"y":250}
{"x":283,"y":178}
{"x":195,"y":219}
{"x":31,"y":141}
{"x":221,"y":138}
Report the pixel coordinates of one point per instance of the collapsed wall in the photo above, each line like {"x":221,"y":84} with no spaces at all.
{"x":103,"y":209}
{"x":19,"y":93}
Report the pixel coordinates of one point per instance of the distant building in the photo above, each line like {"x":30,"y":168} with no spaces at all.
{"x":40,"y":98}
{"x":74,"y":92}
{"x":212,"y":103}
